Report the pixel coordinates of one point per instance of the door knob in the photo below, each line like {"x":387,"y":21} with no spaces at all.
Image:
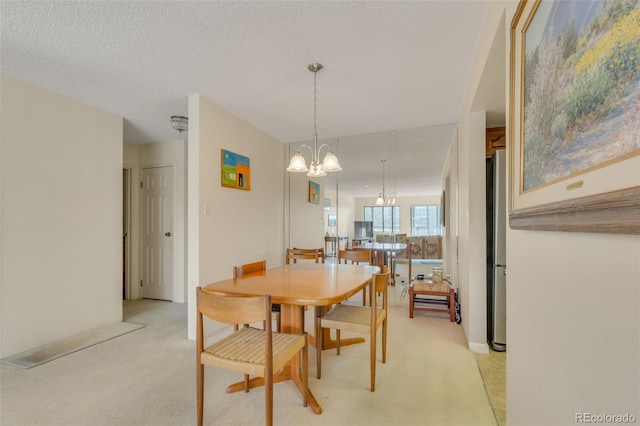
{"x":167,"y":234}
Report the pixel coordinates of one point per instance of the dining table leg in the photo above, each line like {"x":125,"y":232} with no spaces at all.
{"x":292,"y":321}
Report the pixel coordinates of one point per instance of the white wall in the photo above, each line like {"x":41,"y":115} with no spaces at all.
{"x":342,"y":206}
{"x":471,"y":283}
{"x":346,"y":214}
{"x":450,"y":229}
{"x":242,"y":226}
{"x":573,"y":312}
{"x":61,"y":217}
{"x":573,"y":326}
{"x":465,"y":238}
{"x":306,"y":220}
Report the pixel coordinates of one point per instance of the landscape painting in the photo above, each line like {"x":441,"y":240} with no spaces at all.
{"x":581,"y":88}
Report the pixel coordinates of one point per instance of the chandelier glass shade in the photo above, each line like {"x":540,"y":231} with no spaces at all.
{"x":330,"y":162}
{"x":180,"y":123}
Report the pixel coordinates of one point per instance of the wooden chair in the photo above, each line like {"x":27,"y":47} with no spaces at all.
{"x":399,"y":238}
{"x":360,"y":319}
{"x":252,"y":268}
{"x":356,"y":256}
{"x":296,"y":254}
{"x":319,"y":252}
{"x":385,"y":239}
{"x":249,"y":350}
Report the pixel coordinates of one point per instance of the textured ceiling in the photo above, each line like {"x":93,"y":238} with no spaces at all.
{"x":388,"y":65}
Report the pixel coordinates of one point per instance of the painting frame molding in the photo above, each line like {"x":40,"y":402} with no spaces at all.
{"x":603,"y":199}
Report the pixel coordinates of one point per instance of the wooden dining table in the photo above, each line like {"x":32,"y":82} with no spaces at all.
{"x":379,"y":249}
{"x":295,"y":286}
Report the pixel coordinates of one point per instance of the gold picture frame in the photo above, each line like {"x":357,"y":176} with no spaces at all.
{"x":566,"y":175}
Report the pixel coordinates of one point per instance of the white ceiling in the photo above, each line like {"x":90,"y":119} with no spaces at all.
{"x":389,"y":65}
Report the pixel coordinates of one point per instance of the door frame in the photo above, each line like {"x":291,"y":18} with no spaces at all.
{"x":126,"y":228}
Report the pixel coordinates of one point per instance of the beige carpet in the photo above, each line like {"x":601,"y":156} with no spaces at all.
{"x":148,"y":378}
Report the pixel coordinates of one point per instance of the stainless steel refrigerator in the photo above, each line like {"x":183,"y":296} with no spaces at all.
{"x":496,"y":251}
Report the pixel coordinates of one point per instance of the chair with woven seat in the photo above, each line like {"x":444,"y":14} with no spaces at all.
{"x":355,"y":257}
{"x":360,"y":319}
{"x":249,"y":350}
{"x":253,"y":268}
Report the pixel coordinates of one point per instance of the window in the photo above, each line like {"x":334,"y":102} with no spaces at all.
{"x":384,"y":218}
{"x":425,"y":220}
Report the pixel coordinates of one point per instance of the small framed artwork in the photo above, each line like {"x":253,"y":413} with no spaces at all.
{"x":314,"y":193}
{"x":331,"y":220}
{"x":327,"y":204}
{"x":236,"y":170}
{"x":574,"y":125}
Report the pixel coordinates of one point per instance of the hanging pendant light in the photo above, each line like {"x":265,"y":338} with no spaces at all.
{"x":392,"y":195}
{"x":381,"y":198}
{"x":330,"y":161}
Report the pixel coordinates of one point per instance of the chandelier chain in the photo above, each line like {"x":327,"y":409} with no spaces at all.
{"x":383,"y":161}
{"x":315,"y":103}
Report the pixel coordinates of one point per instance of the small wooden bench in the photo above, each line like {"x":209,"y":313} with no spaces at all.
{"x":442,"y":297}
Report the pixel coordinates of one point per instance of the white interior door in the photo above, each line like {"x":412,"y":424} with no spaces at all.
{"x":157,"y":233}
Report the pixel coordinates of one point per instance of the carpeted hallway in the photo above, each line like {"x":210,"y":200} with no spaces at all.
{"x":147,"y":377}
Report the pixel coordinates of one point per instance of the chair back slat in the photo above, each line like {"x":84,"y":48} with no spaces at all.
{"x":381,"y":281}
{"x":296,"y":254}
{"x":354,"y":256}
{"x":379,"y":284}
{"x":234,"y":309}
{"x":249,"y":268}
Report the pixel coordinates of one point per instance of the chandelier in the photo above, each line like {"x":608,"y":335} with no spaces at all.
{"x":330,"y":161}
{"x":388,"y":197}
{"x":180,"y":123}
{"x":382,"y":197}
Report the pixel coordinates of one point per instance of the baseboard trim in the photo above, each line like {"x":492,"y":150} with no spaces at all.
{"x":479,"y":348}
